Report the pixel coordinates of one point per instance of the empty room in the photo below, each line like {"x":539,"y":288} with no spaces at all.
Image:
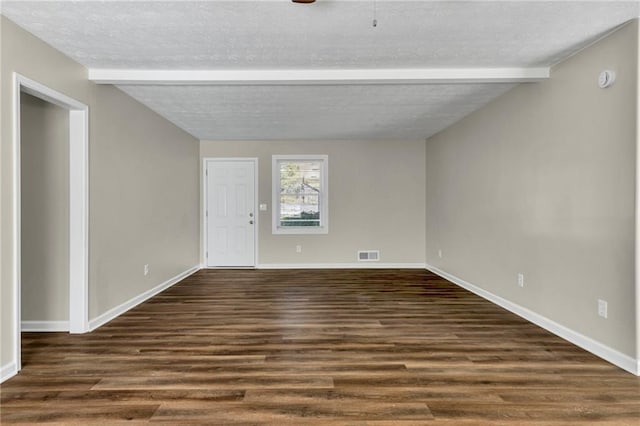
{"x":355,"y":212}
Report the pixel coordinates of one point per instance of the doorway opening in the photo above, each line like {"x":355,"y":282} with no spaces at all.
{"x":34,"y":96}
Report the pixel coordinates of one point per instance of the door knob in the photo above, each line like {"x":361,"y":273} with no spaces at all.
{"x":250,"y":222}
{"x":250,"y":214}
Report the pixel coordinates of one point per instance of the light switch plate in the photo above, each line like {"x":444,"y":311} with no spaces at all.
{"x":263,"y":207}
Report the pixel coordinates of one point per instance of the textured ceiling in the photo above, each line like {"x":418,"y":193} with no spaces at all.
{"x":327,"y":34}
{"x":332,"y":34}
{"x":316,"y":112}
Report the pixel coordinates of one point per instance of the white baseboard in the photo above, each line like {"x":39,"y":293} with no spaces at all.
{"x":7,"y":371}
{"x":358,"y":265}
{"x":599,"y":349}
{"x":135,"y":301}
{"x":44,"y":326}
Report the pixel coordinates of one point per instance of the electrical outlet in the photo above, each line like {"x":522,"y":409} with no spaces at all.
{"x":440,"y":253}
{"x":146,"y":269}
{"x":298,"y":248}
{"x":602,"y":308}
{"x":520,"y":280}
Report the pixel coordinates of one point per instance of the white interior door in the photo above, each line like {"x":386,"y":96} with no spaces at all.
{"x":230,"y":213}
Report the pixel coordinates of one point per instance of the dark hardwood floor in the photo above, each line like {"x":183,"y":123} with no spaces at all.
{"x":352,"y":347}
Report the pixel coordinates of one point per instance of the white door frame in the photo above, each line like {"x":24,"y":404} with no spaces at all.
{"x":78,"y":204}
{"x":205,"y":202}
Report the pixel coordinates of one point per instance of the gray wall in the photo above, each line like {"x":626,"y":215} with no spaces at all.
{"x":376,"y":200}
{"x":45,"y":205}
{"x":145,"y":203}
{"x":143,"y":184}
{"x":542,"y":182}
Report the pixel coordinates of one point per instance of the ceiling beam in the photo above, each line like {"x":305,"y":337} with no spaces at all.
{"x":318,"y":76}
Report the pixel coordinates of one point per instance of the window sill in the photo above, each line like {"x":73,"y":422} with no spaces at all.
{"x":300,"y":230}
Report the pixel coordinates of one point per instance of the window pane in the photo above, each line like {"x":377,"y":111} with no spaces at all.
{"x":300,"y":187}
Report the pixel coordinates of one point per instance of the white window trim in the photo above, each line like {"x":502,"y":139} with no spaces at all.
{"x":275,"y":200}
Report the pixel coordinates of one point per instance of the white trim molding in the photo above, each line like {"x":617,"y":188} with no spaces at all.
{"x":637,"y":218}
{"x":78,"y":205}
{"x":599,"y":349}
{"x":358,"y":265}
{"x":46,"y":326}
{"x":79,"y":221}
{"x":113,"y":313}
{"x":7,"y":371}
{"x":319,"y":76}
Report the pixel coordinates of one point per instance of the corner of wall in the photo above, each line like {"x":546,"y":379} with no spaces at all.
{"x":637,"y":201}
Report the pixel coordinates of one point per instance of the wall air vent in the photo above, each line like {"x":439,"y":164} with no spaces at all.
{"x":368,"y":255}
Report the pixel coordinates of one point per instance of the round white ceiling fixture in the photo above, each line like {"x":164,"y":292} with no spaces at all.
{"x":606,"y":79}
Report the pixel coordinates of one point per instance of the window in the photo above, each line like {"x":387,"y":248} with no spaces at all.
{"x":300,"y":194}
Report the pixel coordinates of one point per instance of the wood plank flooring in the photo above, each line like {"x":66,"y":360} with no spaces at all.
{"x":347,"y":347}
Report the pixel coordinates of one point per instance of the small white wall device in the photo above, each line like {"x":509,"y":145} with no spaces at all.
{"x":606,"y":79}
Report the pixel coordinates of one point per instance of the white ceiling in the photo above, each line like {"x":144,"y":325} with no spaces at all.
{"x":329,"y":34}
